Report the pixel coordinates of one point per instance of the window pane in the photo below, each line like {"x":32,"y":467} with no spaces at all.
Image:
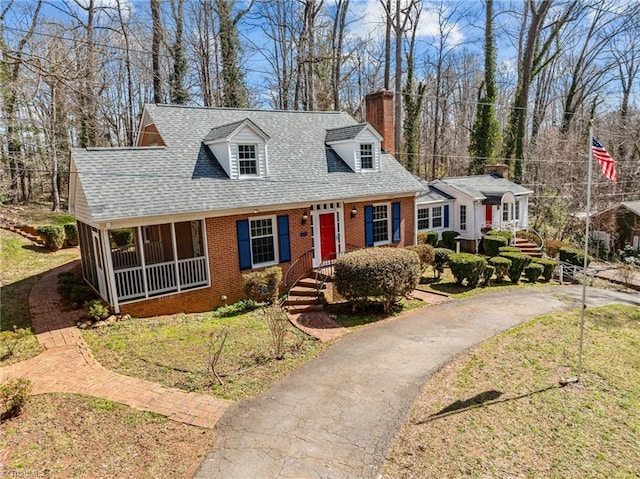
{"x":437,"y":217}
{"x":463,"y":217}
{"x":423,"y":219}
{"x":380,"y":224}
{"x":263,"y":250}
{"x":366,"y":156}
{"x":247,"y":159}
{"x":261,"y":227}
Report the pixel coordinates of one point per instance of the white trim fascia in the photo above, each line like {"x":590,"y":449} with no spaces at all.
{"x":198,"y":215}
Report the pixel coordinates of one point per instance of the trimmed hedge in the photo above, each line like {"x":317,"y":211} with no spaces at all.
{"x":426,"y":254}
{"x":71,"y":234}
{"x":428,"y":237}
{"x":501,"y":233}
{"x":381,"y":274}
{"x":502,"y":265}
{"x":467,"y":266}
{"x":548,"y":265}
{"x":509,"y":249}
{"x":533,"y":272}
{"x":492,"y":243}
{"x":263,"y":285}
{"x":552,"y":247}
{"x":449,"y":239}
{"x":53,"y":236}
{"x":441,"y":257}
{"x":519,"y":261}
{"x":487,"y":274}
{"x":571,"y":255}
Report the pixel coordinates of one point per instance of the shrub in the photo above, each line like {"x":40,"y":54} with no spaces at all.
{"x":467,"y":266}
{"x":440,"y":258}
{"x":502,"y":265}
{"x":533,"y":272}
{"x":10,"y":340}
{"x":503,"y":233}
{"x":96,"y":309}
{"x":571,"y":255}
{"x":234,"y":309}
{"x":509,"y":249}
{"x":548,"y":265}
{"x":528,"y":235}
{"x":262,"y":286}
{"x":491,"y":244}
{"x":53,"y":236}
{"x":71,"y":234}
{"x":122,"y":237}
{"x":66,"y":282}
{"x":487,"y":274}
{"x":81,"y":293}
{"x":278,"y":323}
{"x":428,"y":237}
{"x":552,"y":247}
{"x":519,"y":261}
{"x":449,"y":239}
{"x":426,"y":254}
{"x":14,"y":395}
{"x":383,"y":274}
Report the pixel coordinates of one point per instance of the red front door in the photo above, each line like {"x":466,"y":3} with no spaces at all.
{"x":327,"y":236}
{"x":487,"y":215}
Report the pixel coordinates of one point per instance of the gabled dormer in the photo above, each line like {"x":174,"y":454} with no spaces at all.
{"x":148,"y":134}
{"x":357,"y":145}
{"x":240,"y":148}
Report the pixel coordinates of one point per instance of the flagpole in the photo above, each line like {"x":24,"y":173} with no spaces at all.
{"x":586,"y":252}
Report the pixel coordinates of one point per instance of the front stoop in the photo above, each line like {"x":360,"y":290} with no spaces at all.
{"x":304,"y":297}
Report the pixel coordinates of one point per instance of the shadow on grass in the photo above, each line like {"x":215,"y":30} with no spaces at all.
{"x":486,"y":398}
{"x":15,"y":303}
{"x":343,"y":314}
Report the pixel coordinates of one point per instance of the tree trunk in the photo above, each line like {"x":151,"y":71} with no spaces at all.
{"x":156,"y":41}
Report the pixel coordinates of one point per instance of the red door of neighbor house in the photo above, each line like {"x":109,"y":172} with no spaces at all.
{"x":327,"y":236}
{"x":488,"y":220}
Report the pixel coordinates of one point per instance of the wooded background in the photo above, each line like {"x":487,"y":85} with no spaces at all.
{"x":475,"y":82}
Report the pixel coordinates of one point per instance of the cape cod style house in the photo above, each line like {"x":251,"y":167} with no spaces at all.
{"x":207,"y":194}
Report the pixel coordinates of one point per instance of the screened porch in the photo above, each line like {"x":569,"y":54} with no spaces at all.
{"x":158,"y":259}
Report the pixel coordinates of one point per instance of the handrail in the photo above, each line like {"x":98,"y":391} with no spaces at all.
{"x":298,"y":270}
{"x":540,"y":242}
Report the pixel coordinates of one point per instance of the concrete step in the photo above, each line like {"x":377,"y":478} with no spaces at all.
{"x":301,"y":300}
{"x":304,"y":308}
{"x":303,"y":291}
{"x":307,"y":283}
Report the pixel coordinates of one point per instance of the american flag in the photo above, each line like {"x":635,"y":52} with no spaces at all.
{"x":604,"y":158}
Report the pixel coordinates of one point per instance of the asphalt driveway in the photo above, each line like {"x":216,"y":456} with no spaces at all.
{"x":336,"y":416}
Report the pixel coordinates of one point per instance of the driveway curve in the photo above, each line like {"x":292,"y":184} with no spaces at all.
{"x":336,"y":416}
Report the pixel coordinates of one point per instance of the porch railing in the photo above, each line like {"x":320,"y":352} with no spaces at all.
{"x":300,"y":268}
{"x":127,"y":256}
{"x":160,"y":278}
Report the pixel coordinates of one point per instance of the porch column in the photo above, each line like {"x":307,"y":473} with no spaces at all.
{"x":205,"y":247}
{"x":111,"y":277}
{"x":175,"y":254}
{"x":142,"y":261}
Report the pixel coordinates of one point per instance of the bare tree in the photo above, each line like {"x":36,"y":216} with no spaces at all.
{"x":156,"y":42}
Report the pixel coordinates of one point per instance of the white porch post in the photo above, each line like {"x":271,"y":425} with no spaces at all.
{"x":205,"y":247}
{"x":111,"y":277}
{"x":142,"y":261}
{"x":175,"y":254}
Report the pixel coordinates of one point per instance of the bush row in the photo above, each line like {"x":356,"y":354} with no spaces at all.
{"x":431,"y":238}
{"x":56,"y":236}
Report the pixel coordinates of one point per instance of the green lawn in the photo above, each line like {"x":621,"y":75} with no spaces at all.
{"x":173,"y":351}
{"x":498,"y":410}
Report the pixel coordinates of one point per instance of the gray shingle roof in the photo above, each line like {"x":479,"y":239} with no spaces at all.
{"x":344,"y":133}
{"x":431,"y":194}
{"x":221,"y":132}
{"x":633,"y":206}
{"x":483,"y":186}
{"x":184,"y":176}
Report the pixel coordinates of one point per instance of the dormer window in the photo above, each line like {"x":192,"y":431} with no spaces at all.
{"x":247,"y":160}
{"x":366,"y":156}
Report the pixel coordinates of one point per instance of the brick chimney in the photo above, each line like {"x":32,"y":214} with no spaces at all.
{"x":499,"y":169}
{"x":379,"y":109}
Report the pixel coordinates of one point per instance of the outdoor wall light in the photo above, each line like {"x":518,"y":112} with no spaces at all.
{"x":305,"y":217}
{"x":354,"y":212}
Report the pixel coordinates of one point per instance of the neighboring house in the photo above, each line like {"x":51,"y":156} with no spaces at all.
{"x":208,"y":194}
{"x":471,"y":205}
{"x":618,"y":226}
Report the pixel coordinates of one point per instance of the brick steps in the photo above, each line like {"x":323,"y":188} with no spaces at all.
{"x":527,"y":247}
{"x":28,"y":232}
{"x":304,"y":297}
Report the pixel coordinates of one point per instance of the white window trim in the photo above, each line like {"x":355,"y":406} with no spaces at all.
{"x":428,"y":208}
{"x":463,"y":226}
{"x":373,"y":156}
{"x":389,"y":233}
{"x":257,"y":160}
{"x":276,"y":245}
{"x":432,"y":217}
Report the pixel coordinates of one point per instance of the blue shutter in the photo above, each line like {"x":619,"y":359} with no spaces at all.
{"x":368,"y":225}
{"x":446,"y":216}
{"x":244,"y":244}
{"x":395,"y":221}
{"x":284,"y":245}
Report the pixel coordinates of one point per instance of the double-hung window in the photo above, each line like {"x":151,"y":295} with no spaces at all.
{"x":436,"y":213}
{"x":381,"y":224}
{"x":263,"y":242}
{"x":247,"y":160}
{"x":463,"y":217}
{"x":423,"y":218}
{"x":366,"y":156}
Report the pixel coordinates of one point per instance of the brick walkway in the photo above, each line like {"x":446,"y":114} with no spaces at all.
{"x":66,"y":365}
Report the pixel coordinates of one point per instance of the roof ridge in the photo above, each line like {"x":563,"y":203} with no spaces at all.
{"x":113,"y":148}
{"x":225,"y":108}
